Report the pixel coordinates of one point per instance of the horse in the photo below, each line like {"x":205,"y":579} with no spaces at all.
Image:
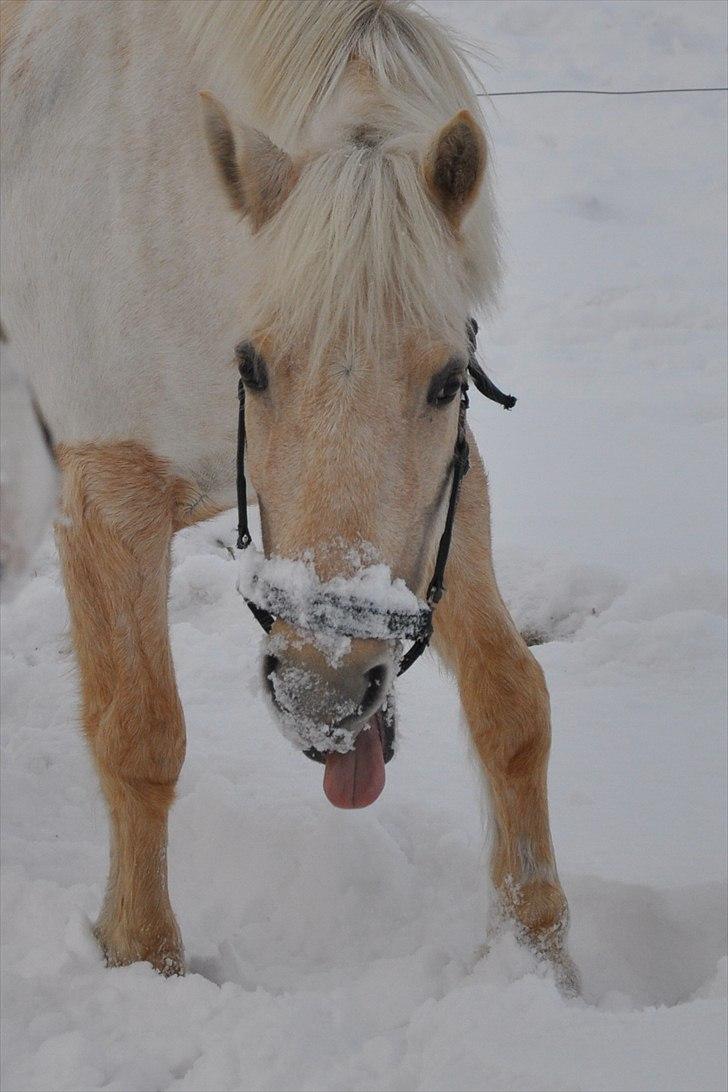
{"x":362,"y":238}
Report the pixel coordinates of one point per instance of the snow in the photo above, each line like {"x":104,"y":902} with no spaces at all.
{"x":343,"y":951}
{"x":367,"y":603}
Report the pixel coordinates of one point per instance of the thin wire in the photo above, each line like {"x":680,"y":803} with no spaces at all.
{"x":577,"y":91}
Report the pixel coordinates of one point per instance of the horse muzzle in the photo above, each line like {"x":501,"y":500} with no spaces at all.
{"x":343,"y":718}
{"x":334,"y":651}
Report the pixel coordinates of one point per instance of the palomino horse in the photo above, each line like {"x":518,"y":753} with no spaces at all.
{"x":364,"y":238}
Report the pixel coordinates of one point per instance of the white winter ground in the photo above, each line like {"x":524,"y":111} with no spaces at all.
{"x":340,"y":951}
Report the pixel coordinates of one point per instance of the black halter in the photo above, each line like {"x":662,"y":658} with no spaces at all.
{"x":417,"y":627}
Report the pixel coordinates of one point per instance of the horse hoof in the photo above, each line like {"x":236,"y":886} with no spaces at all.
{"x":566,"y":974}
{"x":165,"y":953}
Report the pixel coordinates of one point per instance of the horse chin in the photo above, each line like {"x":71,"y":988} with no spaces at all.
{"x":355,"y":779}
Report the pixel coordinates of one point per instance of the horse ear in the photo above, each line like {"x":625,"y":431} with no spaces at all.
{"x":455,"y":164}
{"x":257,"y":175}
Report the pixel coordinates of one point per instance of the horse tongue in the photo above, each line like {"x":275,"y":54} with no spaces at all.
{"x":355,"y":780}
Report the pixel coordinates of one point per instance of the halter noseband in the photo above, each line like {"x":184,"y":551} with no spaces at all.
{"x":415,"y":626}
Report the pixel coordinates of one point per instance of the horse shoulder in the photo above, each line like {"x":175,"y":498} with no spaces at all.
{"x":119,"y":256}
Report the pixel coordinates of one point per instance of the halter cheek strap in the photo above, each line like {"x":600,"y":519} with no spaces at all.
{"x":262,"y":616}
{"x":459,"y":468}
{"x":244,"y":538}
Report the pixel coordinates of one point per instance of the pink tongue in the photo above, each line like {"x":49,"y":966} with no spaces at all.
{"x":355,"y":780}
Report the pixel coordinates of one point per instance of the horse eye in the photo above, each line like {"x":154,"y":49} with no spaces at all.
{"x":443,"y":388}
{"x":251,"y":365}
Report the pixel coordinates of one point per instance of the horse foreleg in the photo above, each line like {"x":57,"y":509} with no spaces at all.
{"x":114,"y":543}
{"x":506,"y":704}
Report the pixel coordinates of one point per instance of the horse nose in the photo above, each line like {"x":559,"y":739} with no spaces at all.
{"x":270,"y":667}
{"x":374,"y":693}
{"x":338,"y":697}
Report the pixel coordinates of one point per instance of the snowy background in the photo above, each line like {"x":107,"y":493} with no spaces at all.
{"x":335,"y":951}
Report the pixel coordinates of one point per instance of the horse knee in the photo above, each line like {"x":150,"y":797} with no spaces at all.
{"x":140,"y":801}
{"x":144,"y":751}
{"x":506,"y":700}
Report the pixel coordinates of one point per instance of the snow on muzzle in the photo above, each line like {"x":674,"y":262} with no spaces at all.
{"x":335,"y":701}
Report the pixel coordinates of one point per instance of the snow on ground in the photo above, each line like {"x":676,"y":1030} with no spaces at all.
{"x":341,"y":951}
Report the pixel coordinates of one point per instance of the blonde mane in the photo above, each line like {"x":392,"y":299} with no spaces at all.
{"x":358,"y":89}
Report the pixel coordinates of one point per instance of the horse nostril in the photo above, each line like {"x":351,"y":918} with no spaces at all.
{"x":270,"y":666}
{"x":376,"y":678}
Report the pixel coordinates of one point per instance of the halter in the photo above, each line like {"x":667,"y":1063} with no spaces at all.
{"x":415,"y":625}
